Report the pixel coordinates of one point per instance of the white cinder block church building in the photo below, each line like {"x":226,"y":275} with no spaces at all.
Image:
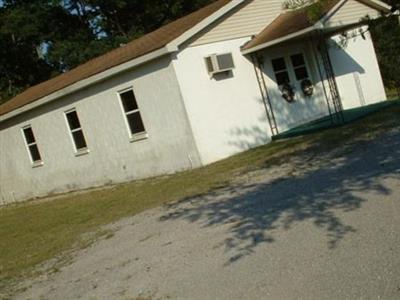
{"x":219,"y":81}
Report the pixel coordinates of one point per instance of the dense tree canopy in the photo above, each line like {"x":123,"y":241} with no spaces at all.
{"x":42,"y":38}
{"x":386,"y":36}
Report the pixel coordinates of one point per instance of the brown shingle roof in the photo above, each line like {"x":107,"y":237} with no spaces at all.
{"x":287,"y":23}
{"x":134,"y":49}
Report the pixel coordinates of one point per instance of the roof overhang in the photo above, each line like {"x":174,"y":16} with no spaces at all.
{"x":86,"y":82}
{"x":293,"y":36}
{"x":304,"y":33}
{"x":307,"y":31}
{"x":169,"y":48}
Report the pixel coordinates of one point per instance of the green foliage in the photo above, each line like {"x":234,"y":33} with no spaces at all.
{"x":386,"y":35}
{"x":20,"y":66}
{"x":28,"y":31}
{"x":295,"y":4}
{"x":314,"y":10}
{"x":42,"y":38}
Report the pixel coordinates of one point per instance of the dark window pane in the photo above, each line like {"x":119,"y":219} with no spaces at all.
{"x":35,"y":155}
{"x":129,"y":101}
{"x":282,"y":77}
{"x":209,"y":64}
{"x":301,"y":73}
{"x":225,"y":61}
{"x":79,"y":139}
{"x":297,"y":60}
{"x":135,"y":123}
{"x":30,"y":138}
{"x":73,"y":120}
{"x":278,"y":64}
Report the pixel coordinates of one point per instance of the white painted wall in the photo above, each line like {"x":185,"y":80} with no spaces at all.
{"x":226,"y":113}
{"x":357,"y":72}
{"x":112,"y":158}
{"x":238,"y":26}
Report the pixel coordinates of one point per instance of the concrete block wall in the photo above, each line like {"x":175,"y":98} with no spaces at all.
{"x":112,"y":157}
{"x":226,"y":111}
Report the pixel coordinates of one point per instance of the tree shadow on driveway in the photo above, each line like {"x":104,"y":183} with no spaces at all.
{"x":319,"y":189}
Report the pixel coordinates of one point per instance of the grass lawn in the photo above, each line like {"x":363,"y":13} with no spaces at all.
{"x":33,"y":232}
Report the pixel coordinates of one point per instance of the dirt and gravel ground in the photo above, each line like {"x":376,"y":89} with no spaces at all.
{"x":315,"y":228}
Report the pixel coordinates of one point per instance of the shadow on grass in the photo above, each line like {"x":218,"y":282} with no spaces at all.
{"x":322,"y":187}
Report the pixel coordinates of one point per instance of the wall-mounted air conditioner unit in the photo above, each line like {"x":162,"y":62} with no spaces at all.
{"x":218,"y":63}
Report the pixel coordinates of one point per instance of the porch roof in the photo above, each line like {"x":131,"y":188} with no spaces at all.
{"x":294,"y":24}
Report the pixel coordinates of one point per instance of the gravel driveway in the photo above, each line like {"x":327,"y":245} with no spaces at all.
{"x":314,"y":228}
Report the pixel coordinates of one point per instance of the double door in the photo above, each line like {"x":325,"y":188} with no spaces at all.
{"x":291,"y":68}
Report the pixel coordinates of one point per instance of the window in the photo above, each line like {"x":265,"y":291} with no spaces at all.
{"x":298,"y":69}
{"x":76,"y":131}
{"x":299,"y":66}
{"x":32,"y":145}
{"x":132,"y":113}
{"x":281,"y":71}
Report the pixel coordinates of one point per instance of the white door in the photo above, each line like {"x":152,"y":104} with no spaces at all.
{"x":292,"y":68}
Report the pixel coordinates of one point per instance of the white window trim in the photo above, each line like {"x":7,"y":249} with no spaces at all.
{"x":289,"y":65}
{"x":137,"y":136}
{"x":285,"y":70}
{"x":307,"y":60}
{"x":37,"y":163}
{"x":77,"y":152}
{"x":306,"y":64}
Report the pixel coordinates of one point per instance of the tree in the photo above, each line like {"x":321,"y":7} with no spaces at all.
{"x":20,"y":64}
{"x":386,"y":36}
{"x":123,"y":20}
{"x":42,"y":38}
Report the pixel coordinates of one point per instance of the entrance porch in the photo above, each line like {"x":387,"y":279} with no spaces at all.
{"x":349,"y":116}
{"x":308,"y":70}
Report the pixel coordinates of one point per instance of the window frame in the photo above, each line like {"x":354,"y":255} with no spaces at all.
{"x":80,"y":151}
{"x":285,"y":70}
{"x":290,"y":68}
{"x":304,"y":65}
{"x":34,"y":163}
{"x":136,"y":136}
